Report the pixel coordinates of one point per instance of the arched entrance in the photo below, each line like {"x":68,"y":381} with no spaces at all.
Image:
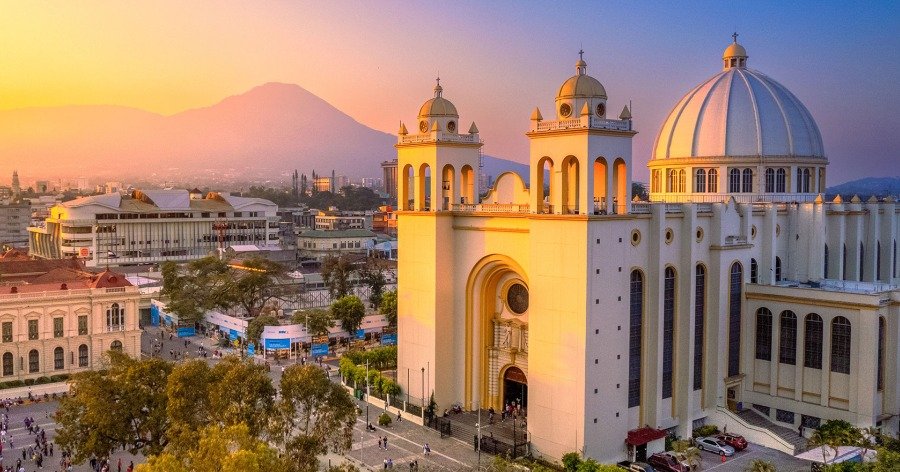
{"x":515,"y":387}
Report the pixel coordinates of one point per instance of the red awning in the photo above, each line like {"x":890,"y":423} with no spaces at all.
{"x":637,"y":437}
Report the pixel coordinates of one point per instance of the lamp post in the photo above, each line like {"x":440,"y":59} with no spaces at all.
{"x":423,"y":394}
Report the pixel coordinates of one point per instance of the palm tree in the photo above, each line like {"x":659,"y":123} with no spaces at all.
{"x":759,"y":465}
{"x":818,"y":439}
{"x":692,"y":457}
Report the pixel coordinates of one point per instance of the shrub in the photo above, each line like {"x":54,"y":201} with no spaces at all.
{"x":59,"y":377}
{"x":571,"y":461}
{"x":706,"y":430}
{"x":384,"y":419}
{"x":29,"y":382}
{"x":43,"y":380}
{"x":14,"y":383}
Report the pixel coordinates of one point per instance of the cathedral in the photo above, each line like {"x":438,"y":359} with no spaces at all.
{"x":737,"y":295}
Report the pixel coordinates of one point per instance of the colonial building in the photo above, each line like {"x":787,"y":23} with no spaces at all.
{"x":317,"y":244}
{"x":57,"y":318}
{"x":150,"y":226}
{"x":738,"y":294}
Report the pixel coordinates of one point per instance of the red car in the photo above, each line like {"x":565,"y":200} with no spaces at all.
{"x":736,"y":441}
{"x":665,"y":462}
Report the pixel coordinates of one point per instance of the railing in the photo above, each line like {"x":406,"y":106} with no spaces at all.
{"x":739,"y":198}
{"x":53,"y":294}
{"x":640,"y":208}
{"x":491,"y":207}
{"x":447,"y":137}
{"x":584,"y":123}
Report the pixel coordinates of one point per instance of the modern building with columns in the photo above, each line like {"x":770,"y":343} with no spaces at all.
{"x":737,"y":290}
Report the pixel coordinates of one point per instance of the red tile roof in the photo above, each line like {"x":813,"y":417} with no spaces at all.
{"x":637,"y":437}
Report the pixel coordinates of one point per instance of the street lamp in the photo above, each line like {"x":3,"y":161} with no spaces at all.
{"x":423,"y":394}
{"x":367,"y":393}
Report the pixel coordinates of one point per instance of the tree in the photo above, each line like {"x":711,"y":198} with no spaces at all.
{"x":312,"y":415}
{"x":256,"y":325}
{"x":336,"y":272}
{"x":372,"y":274}
{"x":571,"y":461}
{"x":388,"y":307}
{"x":242,"y":393}
{"x":252,"y":283}
{"x":639,"y":190}
{"x":220,"y":449}
{"x":759,"y":465}
{"x":123,"y":406}
{"x":349,"y":311}
{"x":194,"y":289}
{"x":319,"y":320}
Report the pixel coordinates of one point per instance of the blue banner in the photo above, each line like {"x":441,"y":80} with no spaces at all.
{"x":360,"y":334}
{"x":233,"y":334}
{"x":319,"y":350}
{"x":389,"y":339}
{"x":251,"y":349}
{"x":278,"y":343}
{"x":154,"y":315}
{"x":186,"y":332}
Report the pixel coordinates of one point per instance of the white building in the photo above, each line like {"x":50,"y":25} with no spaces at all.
{"x":738,"y":285}
{"x":153,"y":226}
{"x":56,"y":318}
{"x":318,"y":244}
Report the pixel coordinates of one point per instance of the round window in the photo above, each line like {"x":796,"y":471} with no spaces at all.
{"x":670,"y":235}
{"x":601,"y":109}
{"x":451,"y":126}
{"x":635,"y":237}
{"x":517,"y":298}
{"x":565,"y":110}
{"x":423,"y":126}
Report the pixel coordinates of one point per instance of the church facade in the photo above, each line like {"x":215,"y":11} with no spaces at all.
{"x":736,"y":287}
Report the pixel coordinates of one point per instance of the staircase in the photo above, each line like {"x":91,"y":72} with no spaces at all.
{"x":789,"y":435}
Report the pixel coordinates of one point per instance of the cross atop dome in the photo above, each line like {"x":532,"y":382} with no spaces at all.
{"x":735,"y":55}
{"x":581,"y":66}
{"x":437,"y":88}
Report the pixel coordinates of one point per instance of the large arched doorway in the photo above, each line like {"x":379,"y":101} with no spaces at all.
{"x":515,"y":387}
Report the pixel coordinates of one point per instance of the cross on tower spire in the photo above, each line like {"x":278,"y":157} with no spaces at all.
{"x":581,"y":54}
{"x":734,"y":36}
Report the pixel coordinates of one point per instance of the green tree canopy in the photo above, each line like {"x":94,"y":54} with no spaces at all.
{"x":336,"y":271}
{"x":372,"y":274}
{"x":256,"y":325}
{"x":319,"y":320}
{"x":121,"y":406}
{"x":349,"y":311}
{"x":388,"y":307}
{"x":312,"y":416}
{"x":221,"y":449}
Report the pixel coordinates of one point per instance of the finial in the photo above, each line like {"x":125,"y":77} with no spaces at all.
{"x":734,"y":37}
{"x":581,"y":54}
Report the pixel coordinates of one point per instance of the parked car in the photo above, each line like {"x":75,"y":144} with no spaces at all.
{"x":666,"y":462}
{"x":636,"y":466}
{"x":689,"y":464}
{"x":734,"y":440}
{"x":715,"y":445}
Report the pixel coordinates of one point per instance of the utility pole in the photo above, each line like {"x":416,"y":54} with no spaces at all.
{"x":367,"y":392}
{"x":477,"y":405}
{"x":423,"y":394}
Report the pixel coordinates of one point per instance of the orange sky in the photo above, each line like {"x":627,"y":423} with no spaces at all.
{"x":376,"y":61}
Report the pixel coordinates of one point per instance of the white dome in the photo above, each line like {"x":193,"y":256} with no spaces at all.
{"x":739,"y":112}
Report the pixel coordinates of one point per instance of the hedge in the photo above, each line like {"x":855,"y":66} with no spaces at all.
{"x":30,"y":382}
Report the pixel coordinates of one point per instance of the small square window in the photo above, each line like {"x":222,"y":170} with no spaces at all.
{"x":620,"y":298}
{"x":596,"y":361}
{"x":619,"y":328}
{"x":620,"y":269}
{"x":618,"y":356}
{"x":617,"y":414}
{"x":595,"y":420}
{"x":598,"y":271}
{"x":617,"y":385}
{"x":597,"y":301}
{"x":620,"y":240}
{"x":598,"y":241}
{"x":596,"y":331}
{"x":595,"y":391}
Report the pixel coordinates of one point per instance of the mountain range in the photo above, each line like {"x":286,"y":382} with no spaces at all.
{"x":269,"y":130}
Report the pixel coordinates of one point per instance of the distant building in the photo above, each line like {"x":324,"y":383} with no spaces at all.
{"x":318,"y":244}
{"x":16,"y":187}
{"x":384,"y":221}
{"x":336,"y":220}
{"x":300,"y":217}
{"x":322,"y":184}
{"x":14,"y":221}
{"x":57,"y":318}
{"x":42,"y":186}
{"x":390,"y":179}
{"x":152,"y":226}
{"x":340,"y":182}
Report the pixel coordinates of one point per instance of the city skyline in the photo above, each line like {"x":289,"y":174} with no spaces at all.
{"x":167,"y":58}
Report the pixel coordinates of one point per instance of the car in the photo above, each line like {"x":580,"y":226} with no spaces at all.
{"x":636,"y":466}
{"x":734,"y":440}
{"x":666,"y":462}
{"x":715,"y":445}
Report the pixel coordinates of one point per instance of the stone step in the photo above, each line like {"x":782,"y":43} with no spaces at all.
{"x":787,"y":434}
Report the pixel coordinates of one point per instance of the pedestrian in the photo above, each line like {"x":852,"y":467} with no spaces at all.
{"x":385,"y":443}
{"x":399,"y":419}
{"x":119,"y":466}
{"x":380,"y":444}
{"x":385,"y":463}
{"x":426,"y":449}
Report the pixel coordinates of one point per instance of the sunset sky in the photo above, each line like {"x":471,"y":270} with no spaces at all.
{"x":377,"y":61}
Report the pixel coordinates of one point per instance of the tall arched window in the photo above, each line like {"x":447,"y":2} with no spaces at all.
{"x":770,"y":180}
{"x":764,"y":334}
{"x":635,"y":335}
{"x":862,"y":258}
{"x":877,"y":261}
{"x":712,"y":181}
{"x":59,"y":358}
{"x":777,"y":269}
{"x":34,"y":364}
{"x":779,"y":181}
{"x":681,"y":181}
{"x":7,"y":364}
{"x":116,"y":345}
{"x":668,"y":333}
{"x":115,"y":318}
{"x":844,"y":263}
{"x":881,"y":334}
{"x":799,"y":180}
{"x":894,"y":260}
{"x":840,"y":345}
{"x":699,"y":318}
{"x":747,"y":183}
{"x":700,"y":181}
{"x":672,"y":181}
{"x":734,"y":181}
{"x":754,"y":271}
{"x":825,"y":272}
{"x":806,"y":181}
{"x":812,"y":341}
{"x":734,"y":319}
{"x":787,"y":350}
{"x":83,"y":355}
